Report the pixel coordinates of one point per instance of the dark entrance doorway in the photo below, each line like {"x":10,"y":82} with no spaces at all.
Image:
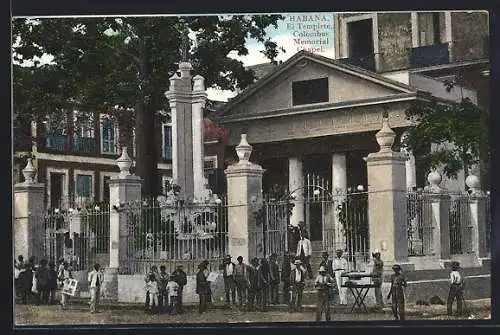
{"x":360,"y":36}
{"x":56,"y":188}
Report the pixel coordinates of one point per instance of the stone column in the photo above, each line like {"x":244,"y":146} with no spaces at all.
{"x":339,"y":188}
{"x":180,"y":99}
{"x":387,"y":199}
{"x":124,"y":190}
{"x":244,"y":192}
{"x":198,"y":103}
{"x":411,"y":173}
{"x":29,"y":215}
{"x":440,"y":213}
{"x":296,"y":185}
{"x":478,"y":217}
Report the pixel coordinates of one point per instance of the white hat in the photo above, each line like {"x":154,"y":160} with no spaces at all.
{"x":322,"y":269}
{"x":297,"y":262}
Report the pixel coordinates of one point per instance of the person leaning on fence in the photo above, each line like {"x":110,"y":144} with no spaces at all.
{"x":456,"y":289}
{"x":173,"y":296}
{"x":297,"y":281}
{"x":378,"y":278}
{"x":241,"y":280}
{"x":52,"y":286}
{"x":253,"y":283}
{"x":227,"y":268}
{"x":95,"y":279}
{"x":323,"y":283}
{"x":162,"y":288}
{"x":180,"y":278}
{"x":64,"y":277}
{"x":286,"y":269}
{"x":398,"y":283}
{"x":202,"y":287}
{"x":274,"y":274}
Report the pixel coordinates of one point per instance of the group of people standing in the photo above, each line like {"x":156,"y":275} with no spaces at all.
{"x":164,"y":291}
{"x":38,"y":283}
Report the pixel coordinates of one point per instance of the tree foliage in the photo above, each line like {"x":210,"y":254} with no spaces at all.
{"x":458,"y":133}
{"x":125,"y":63}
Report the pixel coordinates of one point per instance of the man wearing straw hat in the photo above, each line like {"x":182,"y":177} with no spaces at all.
{"x":398,"y":283}
{"x":339,"y":265}
{"x":323,"y":283}
{"x":297,"y":282}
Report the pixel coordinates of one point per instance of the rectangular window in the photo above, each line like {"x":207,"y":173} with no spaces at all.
{"x":167,"y":141}
{"x":83,"y":132}
{"x":56,"y":136}
{"x":310,"y":91}
{"x":83,"y":186}
{"x":109,"y":135}
{"x":210,"y":172}
{"x":105,"y":189}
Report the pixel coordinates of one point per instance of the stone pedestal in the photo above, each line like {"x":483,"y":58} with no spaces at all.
{"x":296,"y":185}
{"x":339,"y":188}
{"x":478,"y":217}
{"x":28,"y":215}
{"x":387,"y":199}
{"x":244,"y":192}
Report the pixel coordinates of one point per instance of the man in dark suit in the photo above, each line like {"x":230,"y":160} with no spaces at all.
{"x":286,"y":268}
{"x":202,"y":288}
{"x":327,"y":263}
{"x":253,"y":283}
{"x":274,"y":274}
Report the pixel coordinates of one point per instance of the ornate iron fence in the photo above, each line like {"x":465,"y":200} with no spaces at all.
{"x":460,"y":225}
{"x":172,"y":232}
{"x":419,"y":224}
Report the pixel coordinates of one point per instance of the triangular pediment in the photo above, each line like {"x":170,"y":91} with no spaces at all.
{"x":346,"y":84}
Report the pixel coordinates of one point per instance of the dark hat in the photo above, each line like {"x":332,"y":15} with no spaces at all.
{"x":201,"y":265}
{"x":339,"y":250}
{"x":180,"y":266}
{"x":455,"y":265}
{"x":297,"y":262}
{"x":375,"y":252}
{"x":227,"y":257}
{"x":239,"y":258}
{"x":324,"y":253}
{"x":396,"y":267}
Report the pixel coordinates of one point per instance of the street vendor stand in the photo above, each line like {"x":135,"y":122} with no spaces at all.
{"x":358,"y":290}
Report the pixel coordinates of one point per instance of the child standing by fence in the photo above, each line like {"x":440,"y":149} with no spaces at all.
{"x":152,"y":289}
{"x":173,"y":295}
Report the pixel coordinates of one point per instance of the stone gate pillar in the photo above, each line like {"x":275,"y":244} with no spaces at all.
{"x":124,"y":189}
{"x":244,"y":192}
{"x":478,"y":217}
{"x":296,"y":185}
{"x":440,"y":215}
{"x":387,"y":199}
{"x":28,"y":215}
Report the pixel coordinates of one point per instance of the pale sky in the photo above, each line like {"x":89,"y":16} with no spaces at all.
{"x":292,"y":27}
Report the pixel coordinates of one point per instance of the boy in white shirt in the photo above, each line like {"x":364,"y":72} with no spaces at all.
{"x":173,"y":294}
{"x":456,"y":289}
{"x":152,"y":289}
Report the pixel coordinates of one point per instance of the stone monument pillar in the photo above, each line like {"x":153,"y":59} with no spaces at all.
{"x":295,"y":185}
{"x":244,"y":191}
{"x":187,"y":99}
{"x":387,"y":199}
{"x":123,"y":190}
{"x":440,"y":213}
{"x":28,"y":215}
{"x":411,"y":174}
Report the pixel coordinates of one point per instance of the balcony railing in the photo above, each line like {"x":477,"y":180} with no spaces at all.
{"x":366,"y":62}
{"x":84,"y":144}
{"x":429,"y":55}
{"x":56,"y":142}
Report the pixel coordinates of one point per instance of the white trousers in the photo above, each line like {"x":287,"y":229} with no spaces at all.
{"x":153,"y":299}
{"x":342,"y":290}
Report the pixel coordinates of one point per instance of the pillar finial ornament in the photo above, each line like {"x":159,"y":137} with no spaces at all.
{"x":243,"y":150}
{"x":29,"y":172}
{"x":385,"y":136}
{"x":474,"y":184}
{"x":124,"y":163}
{"x":434,"y":178}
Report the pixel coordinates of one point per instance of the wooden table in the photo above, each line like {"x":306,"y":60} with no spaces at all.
{"x":359,"y":291}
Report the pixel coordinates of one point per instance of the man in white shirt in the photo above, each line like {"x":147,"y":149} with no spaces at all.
{"x":95,"y":279}
{"x":304,"y":251}
{"x":228,"y":269}
{"x":297,"y":283}
{"x":456,"y":289}
{"x":339,"y":265}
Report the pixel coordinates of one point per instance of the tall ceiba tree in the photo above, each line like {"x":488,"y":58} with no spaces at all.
{"x":458,"y":131}
{"x":125,"y":63}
